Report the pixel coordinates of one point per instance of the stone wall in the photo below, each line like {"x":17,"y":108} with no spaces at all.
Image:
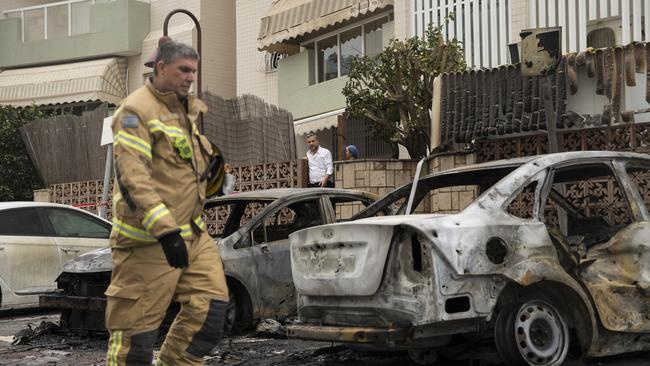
{"x":452,"y":199}
{"x":381,"y":176}
{"x":378,"y":176}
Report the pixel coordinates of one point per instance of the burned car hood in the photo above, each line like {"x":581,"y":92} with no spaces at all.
{"x":96,"y":261}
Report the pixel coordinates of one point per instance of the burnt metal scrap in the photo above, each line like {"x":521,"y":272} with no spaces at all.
{"x":29,"y":334}
{"x":501,"y":101}
{"x":553,"y":254}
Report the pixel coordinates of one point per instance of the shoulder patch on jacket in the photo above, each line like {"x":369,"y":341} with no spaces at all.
{"x":130,"y":121}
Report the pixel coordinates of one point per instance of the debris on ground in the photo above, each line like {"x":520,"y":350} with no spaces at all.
{"x":249,"y":349}
{"x":271,"y":328}
{"x":27,"y":335}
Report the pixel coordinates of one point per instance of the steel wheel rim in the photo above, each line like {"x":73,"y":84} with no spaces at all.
{"x":541,"y":333}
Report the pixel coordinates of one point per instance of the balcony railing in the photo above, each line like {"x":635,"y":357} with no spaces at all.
{"x":61,"y":19}
{"x":483,"y":26}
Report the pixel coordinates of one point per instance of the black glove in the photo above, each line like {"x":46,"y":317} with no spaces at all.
{"x":174,"y":248}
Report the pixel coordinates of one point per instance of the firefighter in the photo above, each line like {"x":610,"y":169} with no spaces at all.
{"x":159,"y":244}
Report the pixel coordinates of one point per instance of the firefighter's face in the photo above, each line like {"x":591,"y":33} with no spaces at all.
{"x":178,"y":75}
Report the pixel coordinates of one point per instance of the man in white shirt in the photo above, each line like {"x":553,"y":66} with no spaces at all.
{"x":321,"y":167}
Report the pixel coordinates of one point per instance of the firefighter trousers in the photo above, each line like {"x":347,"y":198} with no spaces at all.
{"x":142,"y":288}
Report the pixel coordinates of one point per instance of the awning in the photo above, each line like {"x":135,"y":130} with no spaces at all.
{"x":317,"y":123}
{"x":103,"y":80}
{"x":289,"y":19}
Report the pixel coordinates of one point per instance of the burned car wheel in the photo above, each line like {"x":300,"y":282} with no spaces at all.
{"x":239,"y":312}
{"x":423,"y":356}
{"x":532,"y":333}
{"x":231,"y":313}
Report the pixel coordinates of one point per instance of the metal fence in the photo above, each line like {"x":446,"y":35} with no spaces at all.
{"x":358,"y":132}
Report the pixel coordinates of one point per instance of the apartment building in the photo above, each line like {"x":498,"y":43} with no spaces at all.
{"x":72,"y":55}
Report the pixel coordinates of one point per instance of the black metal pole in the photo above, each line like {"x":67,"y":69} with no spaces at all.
{"x":198,"y":49}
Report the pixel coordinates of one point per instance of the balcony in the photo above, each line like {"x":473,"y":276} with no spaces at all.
{"x":72,"y":30}
{"x":311,"y":82}
{"x":302,"y":98}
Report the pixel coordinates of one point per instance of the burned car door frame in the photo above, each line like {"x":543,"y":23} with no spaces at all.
{"x":611,"y":255}
{"x":273,"y":277}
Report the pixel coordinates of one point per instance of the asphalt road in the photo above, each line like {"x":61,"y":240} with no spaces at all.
{"x":56,"y":349}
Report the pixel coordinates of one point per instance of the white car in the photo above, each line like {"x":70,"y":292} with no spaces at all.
{"x":36,"y":238}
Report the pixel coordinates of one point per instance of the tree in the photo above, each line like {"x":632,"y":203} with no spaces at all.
{"x":18,"y":177}
{"x":395,"y":88}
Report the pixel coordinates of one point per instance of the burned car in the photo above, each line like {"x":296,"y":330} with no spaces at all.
{"x":551,"y":256}
{"x":251,"y":230}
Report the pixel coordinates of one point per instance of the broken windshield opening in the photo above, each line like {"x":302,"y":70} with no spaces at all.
{"x":225,"y":217}
{"x":440,"y":193}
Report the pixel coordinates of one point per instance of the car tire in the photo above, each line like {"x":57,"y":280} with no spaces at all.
{"x":239,"y":313}
{"x":532,"y":333}
{"x":231,"y":313}
{"x":423,"y":356}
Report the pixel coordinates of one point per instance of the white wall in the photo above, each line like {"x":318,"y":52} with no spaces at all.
{"x":250,"y":80}
{"x":586,"y":101}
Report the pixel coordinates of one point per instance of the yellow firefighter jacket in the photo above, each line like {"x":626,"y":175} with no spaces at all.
{"x":159,"y":158}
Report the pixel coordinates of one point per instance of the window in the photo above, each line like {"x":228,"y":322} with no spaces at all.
{"x":335,"y":52}
{"x":252,"y":209}
{"x":586,"y":205}
{"x":523,"y":204}
{"x":61,"y":19}
{"x":296,"y":216}
{"x":57,"y":21}
{"x":641,"y":178}
{"x":373,"y":36}
{"x":34,"y":25}
{"x":346,"y":207}
{"x":601,"y":38}
{"x":22,"y":221}
{"x":67,"y":223}
{"x":224,"y":218}
{"x":351,"y":48}
{"x":328,"y":62}
{"x":80,"y":17}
